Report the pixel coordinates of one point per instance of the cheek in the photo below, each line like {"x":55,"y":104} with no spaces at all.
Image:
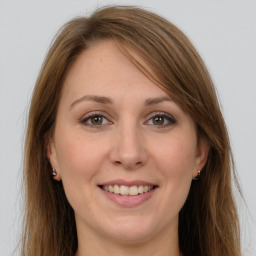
{"x":79,"y":160}
{"x":176,"y":157}
{"x":175,"y":160}
{"x":77,"y":154}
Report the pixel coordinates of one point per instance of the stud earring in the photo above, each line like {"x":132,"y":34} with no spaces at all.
{"x":197,"y":177}
{"x":54,"y":173}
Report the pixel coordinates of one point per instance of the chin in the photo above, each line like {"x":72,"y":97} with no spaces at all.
{"x":130,"y":237}
{"x":130,"y":230}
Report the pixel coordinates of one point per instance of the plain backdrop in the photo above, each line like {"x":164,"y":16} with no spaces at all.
{"x":224,"y":32}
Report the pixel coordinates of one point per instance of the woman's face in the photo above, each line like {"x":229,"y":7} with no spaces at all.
{"x":125,"y":152}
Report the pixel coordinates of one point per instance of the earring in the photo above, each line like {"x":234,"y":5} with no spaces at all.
{"x":54,"y":173}
{"x":197,"y":177}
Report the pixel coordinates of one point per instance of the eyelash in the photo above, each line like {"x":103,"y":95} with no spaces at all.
{"x":89,"y":117}
{"x":170,"y":119}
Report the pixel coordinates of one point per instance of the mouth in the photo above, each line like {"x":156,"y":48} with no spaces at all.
{"x":128,"y":193}
{"x":125,"y":190}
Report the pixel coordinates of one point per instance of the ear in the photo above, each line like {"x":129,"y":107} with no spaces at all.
{"x":52,"y":157}
{"x":202,"y":152}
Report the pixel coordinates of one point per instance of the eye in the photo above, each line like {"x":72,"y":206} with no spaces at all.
{"x":95,"y":120}
{"x":161,"y":120}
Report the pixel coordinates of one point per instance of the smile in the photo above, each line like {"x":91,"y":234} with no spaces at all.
{"x":127,"y":190}
{"x":128,"y":193}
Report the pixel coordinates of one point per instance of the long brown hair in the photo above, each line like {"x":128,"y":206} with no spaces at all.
{"x":208,"y":222}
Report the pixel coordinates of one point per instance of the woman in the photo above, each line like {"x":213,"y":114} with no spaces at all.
{"x":126,"y":150}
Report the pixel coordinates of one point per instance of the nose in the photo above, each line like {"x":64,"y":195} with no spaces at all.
{"x":128,"y":148}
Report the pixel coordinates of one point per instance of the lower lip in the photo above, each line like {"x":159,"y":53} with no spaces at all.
{"x":129,"y":201}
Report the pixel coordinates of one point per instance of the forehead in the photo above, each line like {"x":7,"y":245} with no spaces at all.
{"x":104,"y":69}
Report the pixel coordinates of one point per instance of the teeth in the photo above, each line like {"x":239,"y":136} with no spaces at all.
{"x":134,"y":191}
{"x":141,"y":190}
{"x":110,"y":189}
{"x":125,"y":190}
{"x":116,"y":189}
{"x":145,"y":189}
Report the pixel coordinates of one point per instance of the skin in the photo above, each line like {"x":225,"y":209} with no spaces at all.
{"x":136,"y":141}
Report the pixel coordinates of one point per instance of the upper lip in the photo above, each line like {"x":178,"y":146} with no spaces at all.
{"x":127,"y":183}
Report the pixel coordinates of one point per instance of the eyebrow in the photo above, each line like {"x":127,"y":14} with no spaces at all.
{"x":153,"y":101}
{"x":105,"y":100}
{"x":98,"y":99}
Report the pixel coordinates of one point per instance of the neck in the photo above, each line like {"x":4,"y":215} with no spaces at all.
{"x":125,"y":250}
{"x":91,"y":244}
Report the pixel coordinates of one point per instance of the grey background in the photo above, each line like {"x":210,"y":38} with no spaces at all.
{"x":224,"y":33}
